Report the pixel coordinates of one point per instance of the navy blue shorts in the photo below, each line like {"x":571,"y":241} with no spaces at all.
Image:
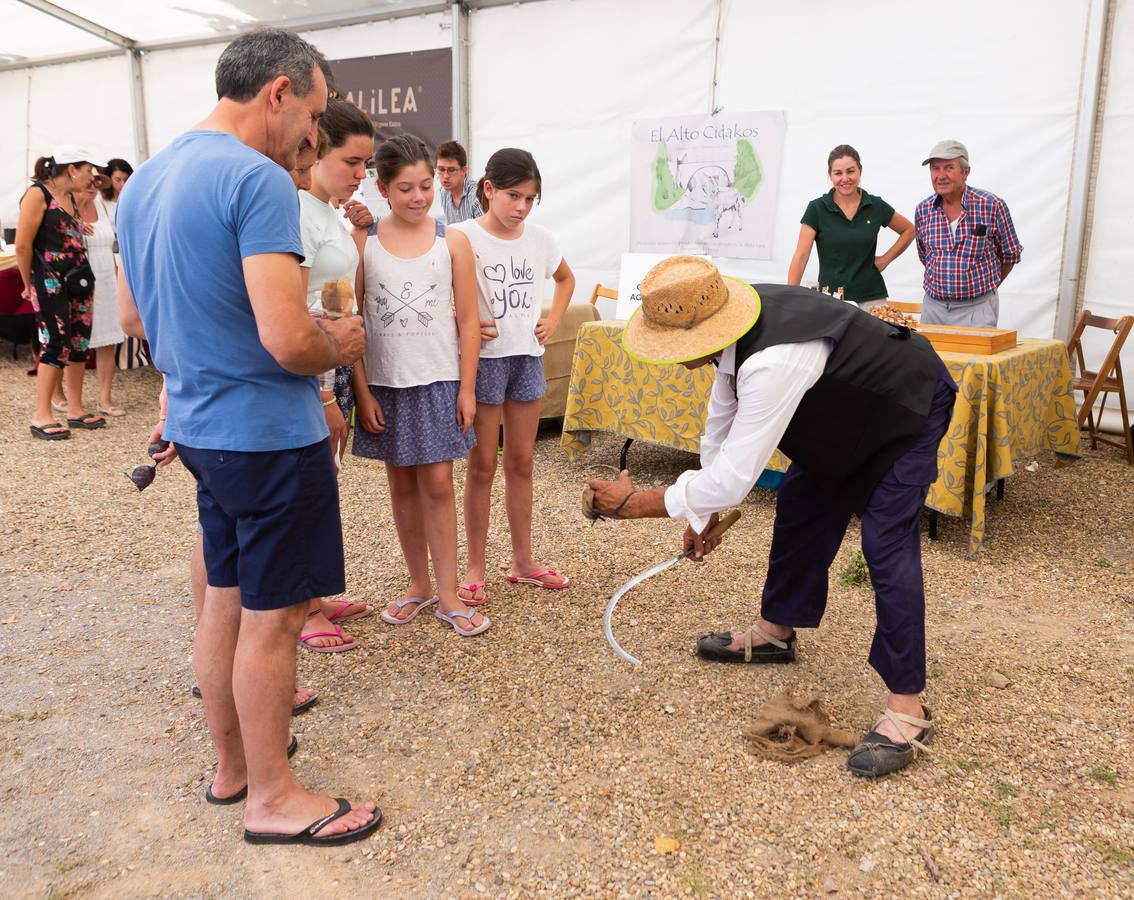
{"x":270,"y":522}
{"x":512,"y":377}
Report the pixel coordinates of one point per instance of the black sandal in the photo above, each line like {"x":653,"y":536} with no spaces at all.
{"x":41,"y":432}
{"x":89,"y":421}
{"x":307,"y":835}
{"x":212,"y":798}
{"x":877,"y":755}
{"x":715,"y":647}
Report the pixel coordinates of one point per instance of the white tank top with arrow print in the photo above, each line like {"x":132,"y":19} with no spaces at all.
{"x":411,"y":328}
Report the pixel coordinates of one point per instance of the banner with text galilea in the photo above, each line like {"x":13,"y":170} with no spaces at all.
{"x":706,"y":184}
{"x":404,"y":92}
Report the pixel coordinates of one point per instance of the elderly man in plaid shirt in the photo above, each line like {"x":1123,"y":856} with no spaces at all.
{"x":965,"y":240}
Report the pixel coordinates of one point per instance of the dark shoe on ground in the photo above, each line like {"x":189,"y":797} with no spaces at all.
{"x":243,"y":792}
{"x":89,"y":421}
{"x":307,"y":835}
{"x":877,"y":755}
{"x":44,"y":432}
{"x":715,"y":647}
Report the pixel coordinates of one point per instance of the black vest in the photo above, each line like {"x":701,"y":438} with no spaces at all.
{"x":871,"y":402}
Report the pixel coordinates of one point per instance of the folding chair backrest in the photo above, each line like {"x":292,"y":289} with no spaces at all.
{"x":601,"y":291}
{"x":1120,"y":327}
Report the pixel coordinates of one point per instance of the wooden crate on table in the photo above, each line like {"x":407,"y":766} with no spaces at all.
{"x":966,"y":339}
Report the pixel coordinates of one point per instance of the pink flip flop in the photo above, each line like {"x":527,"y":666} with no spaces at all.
{"x":402,"y":604}
{"x":337,"y":615}
{"x":535,"y":577}
{"x":337,"y":632}
{"x":471,"y":588}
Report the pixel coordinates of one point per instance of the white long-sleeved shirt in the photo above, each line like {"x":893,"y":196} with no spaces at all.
{"x":744,"y":425}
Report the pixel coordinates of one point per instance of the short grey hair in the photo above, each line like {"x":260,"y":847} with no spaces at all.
{"x":964,"y":161}
{"x":256,"y":58}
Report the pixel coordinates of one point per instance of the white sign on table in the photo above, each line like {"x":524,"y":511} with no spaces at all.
{"x":630,"y":274}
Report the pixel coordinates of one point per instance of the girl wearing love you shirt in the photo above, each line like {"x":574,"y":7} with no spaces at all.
{"x":513,"y":262}
{"x":415,"y":385}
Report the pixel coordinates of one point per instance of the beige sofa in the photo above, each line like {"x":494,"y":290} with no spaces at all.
{"x":558,"y":354}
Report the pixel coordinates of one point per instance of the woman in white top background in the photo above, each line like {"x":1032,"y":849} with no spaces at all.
{"x":117,"y":171}
{"x":514,"y":260}
{"x":106,"y":332}
{"x":331,"y":253}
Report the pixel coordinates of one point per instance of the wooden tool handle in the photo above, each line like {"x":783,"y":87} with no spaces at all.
{"x":723,"y":525}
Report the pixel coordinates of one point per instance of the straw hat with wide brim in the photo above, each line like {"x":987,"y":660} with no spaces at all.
{"x":689,"y":311}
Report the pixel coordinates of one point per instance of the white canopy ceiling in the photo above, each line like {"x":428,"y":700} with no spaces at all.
{"x":37,"y":31}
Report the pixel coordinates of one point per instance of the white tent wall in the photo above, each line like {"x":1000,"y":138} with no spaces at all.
{"x":564,"y":79}
{"x":1107,"y":288}
{"x":84,"y":103}
{"x":179,"y":83}
{"x":1001,"y":77}
{"x":14,"y":150}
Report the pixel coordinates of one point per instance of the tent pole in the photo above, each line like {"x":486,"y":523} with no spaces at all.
{"x":460,"y":127}
{"x":1082,"y":159}
{"x":713,"y":109}
{"x":138,"y":106}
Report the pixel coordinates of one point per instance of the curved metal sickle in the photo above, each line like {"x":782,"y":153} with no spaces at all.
{"x":720,"y":528}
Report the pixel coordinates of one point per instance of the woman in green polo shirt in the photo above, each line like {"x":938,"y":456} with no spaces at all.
{"x":844,"y":223}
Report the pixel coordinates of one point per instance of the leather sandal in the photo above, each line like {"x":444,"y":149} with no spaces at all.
{"x":715,"y":647}
{"x":877,"y":755}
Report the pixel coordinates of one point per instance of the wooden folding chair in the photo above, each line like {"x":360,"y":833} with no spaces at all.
{"x":601,"y":291}
{"x":1106,"y":380}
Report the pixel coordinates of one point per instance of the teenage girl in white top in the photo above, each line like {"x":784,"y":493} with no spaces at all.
{"x":513,"y":262}
{"x":415,"y":385}
{"x":346,"y":146}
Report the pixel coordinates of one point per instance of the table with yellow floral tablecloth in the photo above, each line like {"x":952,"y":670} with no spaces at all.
{"x":1010,"y":406}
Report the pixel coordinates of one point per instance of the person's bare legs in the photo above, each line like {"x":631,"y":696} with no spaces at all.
{"x":479,"y":475}
{"x":47,"y":382}
{"x":263,"y":679}
{"x":105,"y":366}
{"x":317,"y":622}
{"x":214,"y":646}
{"x":198,"y":579}
{"x":73,"y":384}
{"x":405,"y":503}
{"x":521,"y":422}
{"x":439,"y":512}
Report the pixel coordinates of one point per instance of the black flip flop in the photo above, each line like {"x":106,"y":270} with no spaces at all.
{"x":86,"y":422}
{"x":41,"y":432}
{"x":714,"y":647}
{"x":307,"y":835}
{"x":212,"y":798}
{"x":295,"y":710}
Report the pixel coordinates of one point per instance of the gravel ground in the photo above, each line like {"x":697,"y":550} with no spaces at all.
{"x":531,"y":761}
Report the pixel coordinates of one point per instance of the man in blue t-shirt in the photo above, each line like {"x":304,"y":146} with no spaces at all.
{"x":209,"y":236}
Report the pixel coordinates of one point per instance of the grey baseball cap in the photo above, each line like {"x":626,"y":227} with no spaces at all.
{"x":946,"y":149}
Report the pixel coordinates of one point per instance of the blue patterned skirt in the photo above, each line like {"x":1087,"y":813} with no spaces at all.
{"x":421,"y":426}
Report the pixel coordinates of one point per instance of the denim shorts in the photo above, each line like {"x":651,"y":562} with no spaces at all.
{"x":512,"y":377}
{"x":270,"y":522}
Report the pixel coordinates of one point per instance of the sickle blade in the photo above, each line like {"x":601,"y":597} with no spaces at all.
{"x":619,"y":594}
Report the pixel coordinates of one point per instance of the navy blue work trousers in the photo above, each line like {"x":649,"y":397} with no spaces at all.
{"x":809,"y":529}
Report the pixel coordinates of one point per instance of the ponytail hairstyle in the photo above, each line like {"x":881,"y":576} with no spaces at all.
{"x":398,"y":152}
{"x":45,"y":168}
{"x":112,"y":166}
{"x":506,"y":168}
{"x":341,"y":121}
{"x":839,"y":152}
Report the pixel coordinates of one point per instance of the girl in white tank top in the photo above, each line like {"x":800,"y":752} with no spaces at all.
{"x":415,"y":387}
